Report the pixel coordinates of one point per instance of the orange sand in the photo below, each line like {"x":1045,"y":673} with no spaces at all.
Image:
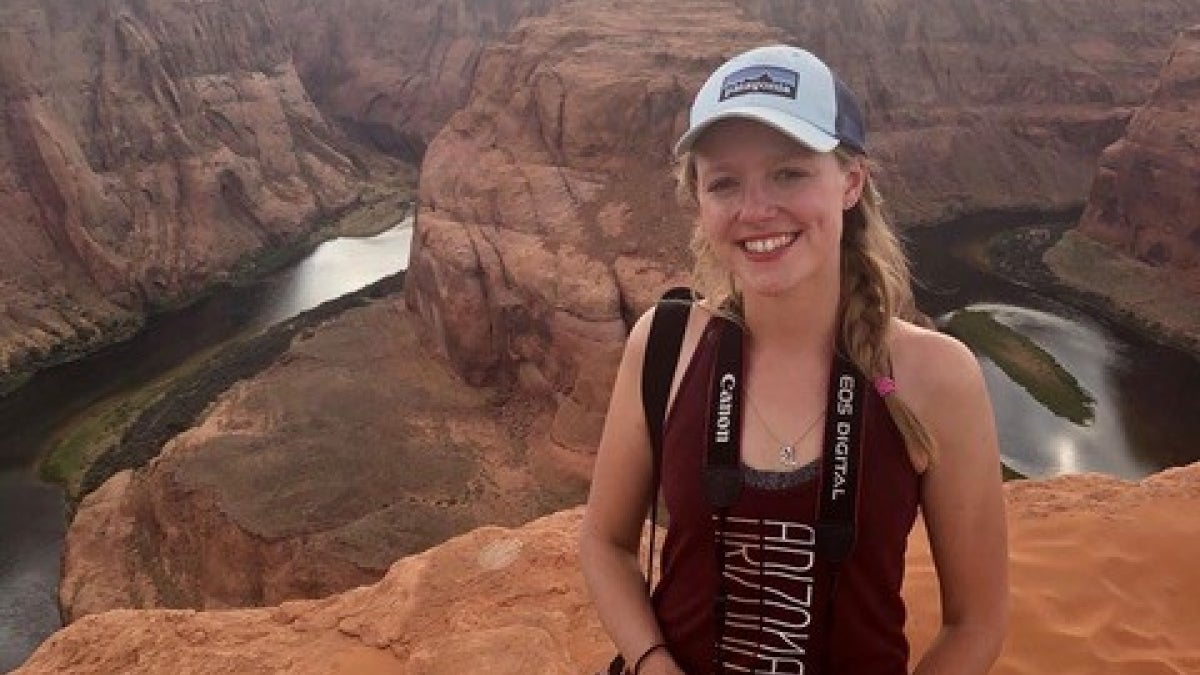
{"x":1105,"y":577}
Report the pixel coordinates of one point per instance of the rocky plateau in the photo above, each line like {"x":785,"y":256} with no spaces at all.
{"x":354,"y":449}
{"x":512,"y":601}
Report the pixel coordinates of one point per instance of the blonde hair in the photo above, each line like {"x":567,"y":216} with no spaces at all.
{"x":875,"y":288}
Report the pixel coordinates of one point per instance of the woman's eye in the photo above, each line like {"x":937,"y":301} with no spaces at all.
{"x":721,"y":184}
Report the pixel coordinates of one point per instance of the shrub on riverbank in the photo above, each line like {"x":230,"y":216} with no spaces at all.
{"x":1026,"y":363}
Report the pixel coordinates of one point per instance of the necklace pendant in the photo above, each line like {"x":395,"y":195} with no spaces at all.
{"x":787,"y":455}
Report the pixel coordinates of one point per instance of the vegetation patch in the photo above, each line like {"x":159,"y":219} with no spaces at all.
{"x":102,"y":427}
{"x":1026,"y":363}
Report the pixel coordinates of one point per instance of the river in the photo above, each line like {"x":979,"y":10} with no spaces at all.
{"x":1145,"y":414}
{"x":33,"y":513}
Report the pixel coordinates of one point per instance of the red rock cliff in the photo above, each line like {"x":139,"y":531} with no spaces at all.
{"x":147,"y":148}
{"x":547,"y":197}
{"x":394,"y":72}
{"x":1145,"y":201}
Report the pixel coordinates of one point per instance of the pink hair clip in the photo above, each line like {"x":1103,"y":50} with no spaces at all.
{"x":885,"y":385}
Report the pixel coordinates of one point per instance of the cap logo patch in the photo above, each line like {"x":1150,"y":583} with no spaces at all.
{"x":770,"y":80}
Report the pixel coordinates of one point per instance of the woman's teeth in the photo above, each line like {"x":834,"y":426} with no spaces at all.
{"x":768,"y":244}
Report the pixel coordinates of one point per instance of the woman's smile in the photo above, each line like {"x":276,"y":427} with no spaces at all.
{"x":769,"y":244}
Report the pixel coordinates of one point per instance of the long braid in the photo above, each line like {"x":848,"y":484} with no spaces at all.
{"x":875,"y":289}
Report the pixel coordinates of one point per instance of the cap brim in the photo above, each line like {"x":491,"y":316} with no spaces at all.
{"x":802,"y":132}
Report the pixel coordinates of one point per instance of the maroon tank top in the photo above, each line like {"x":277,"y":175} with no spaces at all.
{"x":778,"y":612}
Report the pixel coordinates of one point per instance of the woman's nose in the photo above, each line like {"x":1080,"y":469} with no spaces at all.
{"x":758,"y":202}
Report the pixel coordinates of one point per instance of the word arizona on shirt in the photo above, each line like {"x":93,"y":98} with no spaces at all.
{"x":769,"y":585}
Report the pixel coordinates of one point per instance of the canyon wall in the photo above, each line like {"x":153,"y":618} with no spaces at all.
{"x":148,"y":150}
{"x":1136,"y":249}
{"x":980,"y":105}
{"x":394,"y":72}
{"x":1145,"y":200}
{"x":549,"y":220}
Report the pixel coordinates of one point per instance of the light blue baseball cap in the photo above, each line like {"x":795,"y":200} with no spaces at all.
{"x":783,"y":87}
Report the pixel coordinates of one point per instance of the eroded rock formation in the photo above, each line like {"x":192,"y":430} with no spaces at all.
{"x":355,"y":449}
{"x":548,"y":217}
{"x":394,"y":72}
{"x":546,"y":200}
{"x":513,"y":601}
{"x":147,"y":149}
{"x":1145,"y":201}
{"x":1136,"y":250}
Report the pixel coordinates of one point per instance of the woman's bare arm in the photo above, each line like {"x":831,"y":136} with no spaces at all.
{"x":961,"y":499}
{"x":616,"y":510}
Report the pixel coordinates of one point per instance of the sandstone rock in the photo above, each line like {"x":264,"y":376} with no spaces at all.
{"x":558,"y":164}
{"x":567,"y":138}
{"x":353,"y":450}
{"x":1144,"y":201}
{"x":1137,"y":244}
{"x":977,"y":105}
{"x":150,"y":147}
{"x":394,"y":72}
{"x":513,"y":601}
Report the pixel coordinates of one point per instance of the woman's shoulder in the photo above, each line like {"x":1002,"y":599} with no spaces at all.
{"x":931,"y":368}
{"x":699,"y":316}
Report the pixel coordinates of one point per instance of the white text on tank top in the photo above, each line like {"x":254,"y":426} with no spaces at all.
{"x":768,"y":579}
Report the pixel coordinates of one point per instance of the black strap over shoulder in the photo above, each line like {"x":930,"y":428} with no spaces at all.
{"x":663,"y":345}
{"x":662,"y":356}
{"x":658,"y":372}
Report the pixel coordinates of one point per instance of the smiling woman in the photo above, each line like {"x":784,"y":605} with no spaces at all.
{"x":785,"y":551}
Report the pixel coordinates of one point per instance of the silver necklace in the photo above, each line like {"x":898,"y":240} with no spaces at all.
{"x":787,"y":451}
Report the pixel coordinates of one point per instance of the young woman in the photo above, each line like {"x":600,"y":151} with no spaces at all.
{"x":794,"y":254}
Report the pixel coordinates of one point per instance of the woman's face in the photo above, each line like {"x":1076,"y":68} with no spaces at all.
{"x":770,"y":208}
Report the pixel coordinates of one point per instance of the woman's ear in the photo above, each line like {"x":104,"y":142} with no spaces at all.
{"x":856,"y":178}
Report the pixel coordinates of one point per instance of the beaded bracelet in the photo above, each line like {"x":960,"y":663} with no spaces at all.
{"x":637,"y":665}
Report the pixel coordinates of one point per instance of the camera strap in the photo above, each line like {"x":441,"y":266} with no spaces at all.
{"x":663,"y":345}
{"x":841,"y":463}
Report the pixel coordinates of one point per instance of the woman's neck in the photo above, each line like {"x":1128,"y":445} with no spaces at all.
{"x":802,"y":322}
